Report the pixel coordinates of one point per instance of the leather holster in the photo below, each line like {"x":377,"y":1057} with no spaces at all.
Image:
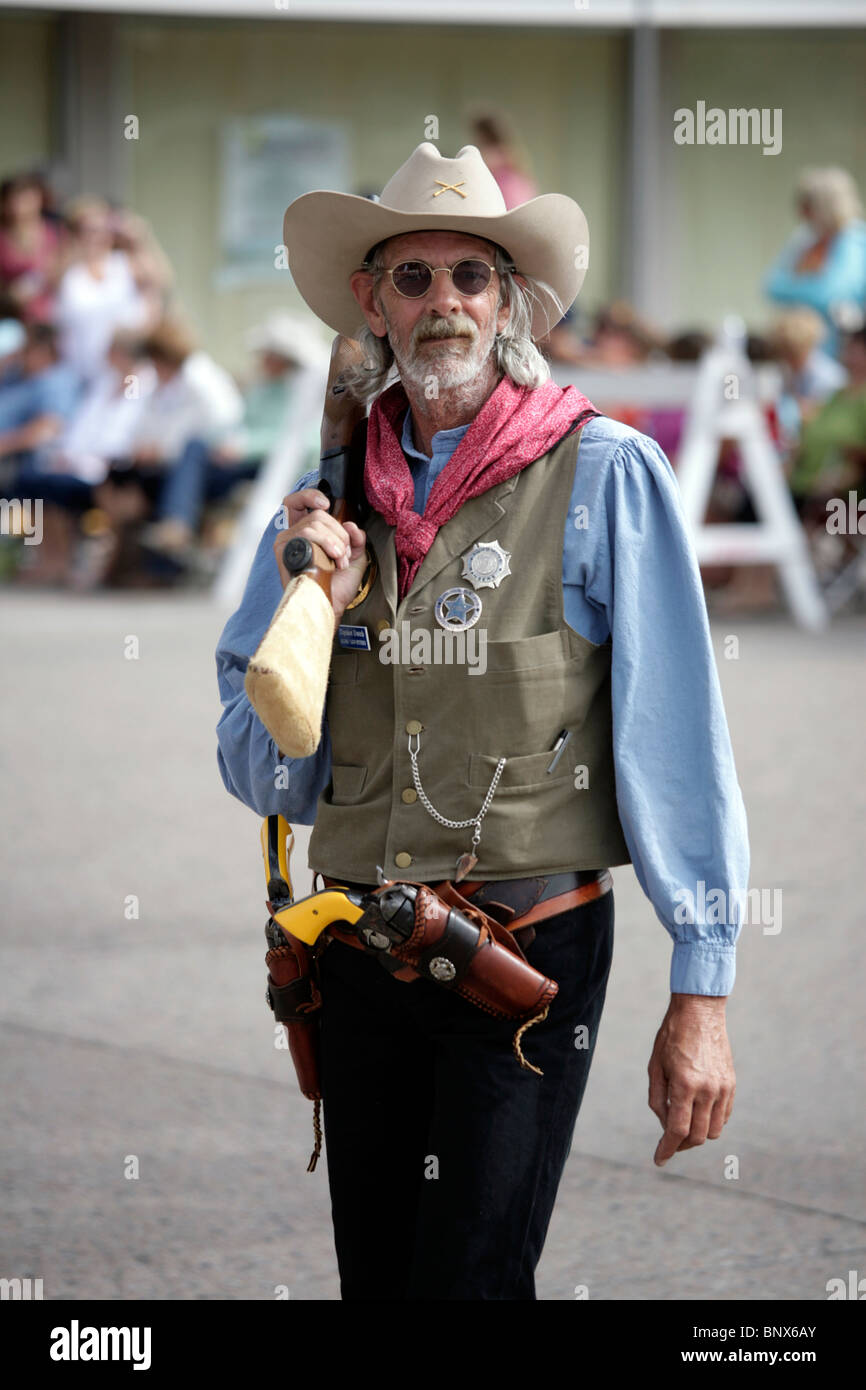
{"x":484,"y":964}
{"x":294,"y":996}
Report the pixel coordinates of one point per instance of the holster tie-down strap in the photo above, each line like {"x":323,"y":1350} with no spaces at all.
{"x":293,"y":1001}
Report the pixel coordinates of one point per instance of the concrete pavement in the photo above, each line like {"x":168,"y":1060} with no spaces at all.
{"x":150,"y":1038}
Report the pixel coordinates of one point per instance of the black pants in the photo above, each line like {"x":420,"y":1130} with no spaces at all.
{"x":444,"y":1155}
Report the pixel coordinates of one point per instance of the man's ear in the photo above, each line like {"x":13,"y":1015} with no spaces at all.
{"x":362,"y":287}
{"x":503,"y":313}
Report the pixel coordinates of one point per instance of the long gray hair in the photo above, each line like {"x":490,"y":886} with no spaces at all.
{"x":514,"y":351}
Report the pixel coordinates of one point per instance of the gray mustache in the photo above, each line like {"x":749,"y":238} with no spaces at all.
{"x":445,"y":331}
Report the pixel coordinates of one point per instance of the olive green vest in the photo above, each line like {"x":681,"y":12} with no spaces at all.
{"x":541,"y":678}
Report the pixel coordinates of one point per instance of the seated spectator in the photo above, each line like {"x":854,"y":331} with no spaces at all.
{"x":832,"y":453}
{"x":108,"y":417}
{"x":150,"y":266}
{"x":29,"y":248}
{"x":562,"y":344}
{"x":620,"y":338}
{"x":38,"y":395}
{"x":759,"y":348}
{"x":194,"y":405}
{"x":284,"y":344}
{"x":829,"y":461}
{"x":66,"y":471}
{"x":689,"y":345}
{"x":810,"y":375}
{"x":97,"y":293}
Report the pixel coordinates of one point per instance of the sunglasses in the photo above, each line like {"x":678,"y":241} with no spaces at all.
{"x":412,"y":279}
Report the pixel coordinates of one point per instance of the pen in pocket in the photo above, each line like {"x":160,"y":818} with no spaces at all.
{"x":558,"y":747}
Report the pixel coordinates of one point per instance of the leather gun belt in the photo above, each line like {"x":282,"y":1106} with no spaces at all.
{"x":518,"y":903}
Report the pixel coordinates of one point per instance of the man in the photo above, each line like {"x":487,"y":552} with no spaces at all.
{"x":284,"y":346}
{"x":832,"y":450}
{"x":71,"y":466}
{"x":594,"y":735}
{"x":194,"y":404}
{"x":37,"y":398}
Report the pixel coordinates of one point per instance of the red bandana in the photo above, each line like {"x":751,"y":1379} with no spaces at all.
{"x":515,"y":426}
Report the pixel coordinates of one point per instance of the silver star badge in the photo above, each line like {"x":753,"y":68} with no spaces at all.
{"x":457,"y":609}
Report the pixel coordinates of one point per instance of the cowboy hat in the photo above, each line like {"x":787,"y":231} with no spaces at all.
{"x":329,"y":234}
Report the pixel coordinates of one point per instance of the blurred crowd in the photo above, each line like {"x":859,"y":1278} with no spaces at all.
{"x":134,"y":439}
{"x":141,"y":446}
{"x":816,"y":339}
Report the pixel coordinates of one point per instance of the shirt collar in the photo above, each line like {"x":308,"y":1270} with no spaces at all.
{"x":443,"y":442}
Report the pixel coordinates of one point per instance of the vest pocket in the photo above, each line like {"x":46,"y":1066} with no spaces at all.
{"x":346,"y":783}
{"x":531,"y":653}
{"x":519,"y":773}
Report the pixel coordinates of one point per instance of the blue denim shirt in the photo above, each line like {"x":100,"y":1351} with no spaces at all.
{"x":55,"y":390}
{"x":628,"y":574}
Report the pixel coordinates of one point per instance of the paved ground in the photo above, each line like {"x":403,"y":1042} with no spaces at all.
{"x":151,"y":1038}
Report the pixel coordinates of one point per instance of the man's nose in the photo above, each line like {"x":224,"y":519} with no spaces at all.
{"x":442,"y":298}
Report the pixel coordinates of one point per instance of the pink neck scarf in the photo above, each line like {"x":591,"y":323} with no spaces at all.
{"x":515,"y":426}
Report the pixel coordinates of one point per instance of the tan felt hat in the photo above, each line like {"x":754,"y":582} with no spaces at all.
{"x":328,"y":234}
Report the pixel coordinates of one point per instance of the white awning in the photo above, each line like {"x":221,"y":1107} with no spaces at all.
{"x":590,"y":14}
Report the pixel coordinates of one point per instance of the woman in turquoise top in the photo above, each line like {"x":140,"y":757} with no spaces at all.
{"x":823,"y":265}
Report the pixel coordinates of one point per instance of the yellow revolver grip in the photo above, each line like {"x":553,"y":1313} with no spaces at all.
{"x":307,"y":918}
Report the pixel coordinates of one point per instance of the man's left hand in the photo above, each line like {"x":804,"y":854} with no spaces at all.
{"x":691,"y":1074}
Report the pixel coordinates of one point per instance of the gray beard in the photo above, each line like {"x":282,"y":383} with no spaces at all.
{"x":458,"y":374}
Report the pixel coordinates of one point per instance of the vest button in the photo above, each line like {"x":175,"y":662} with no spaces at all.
{"x":414,"y":726}
{"x":402,"y":860}
{"x":409,"y":794}
{"x":382,"y":624}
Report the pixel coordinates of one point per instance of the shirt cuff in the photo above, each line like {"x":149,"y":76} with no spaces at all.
{"x":697,"y":968}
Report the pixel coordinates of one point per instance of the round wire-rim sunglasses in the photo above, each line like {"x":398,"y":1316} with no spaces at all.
{"x":412,"y":279}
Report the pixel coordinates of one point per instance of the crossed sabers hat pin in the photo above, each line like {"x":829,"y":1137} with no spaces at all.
{"x":450,"y":187}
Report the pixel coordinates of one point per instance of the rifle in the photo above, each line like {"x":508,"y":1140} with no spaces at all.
{"x":287,"y":676}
